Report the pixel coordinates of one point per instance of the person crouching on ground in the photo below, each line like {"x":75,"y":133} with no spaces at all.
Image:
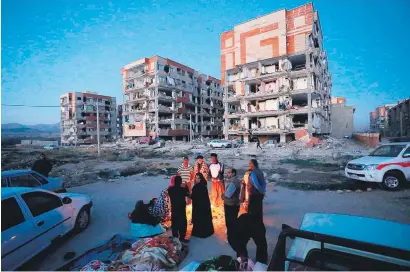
{"x":217,"y":175}
{"x":177,"y":195}
{"x":231,"y":199}
{"x":201,"y":209}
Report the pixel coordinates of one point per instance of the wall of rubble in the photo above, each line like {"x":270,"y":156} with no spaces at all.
{"x":368,"y":139}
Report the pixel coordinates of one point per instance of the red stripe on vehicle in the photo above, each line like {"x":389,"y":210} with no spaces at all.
{"x":402,"y":164}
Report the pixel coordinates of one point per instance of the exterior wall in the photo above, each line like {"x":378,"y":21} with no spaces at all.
{"x":79,"y":118}
{"x":399,"y":119}
{"x":275,"y":66}
{"x":368,"y":139}
{"x":342,"y":120}
{"x":159,"y":102}
{"x":276,"y":34}
{"x":373,"y":121}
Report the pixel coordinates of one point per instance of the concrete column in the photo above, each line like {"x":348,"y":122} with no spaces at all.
{"x":226,"y":122}
{"x":184,"y":139}
{"x":310,"y":119}
{"x":283,"y":138}
{"x":156,"y":111}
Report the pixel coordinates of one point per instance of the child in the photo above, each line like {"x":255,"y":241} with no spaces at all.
{"x":177,"y":195}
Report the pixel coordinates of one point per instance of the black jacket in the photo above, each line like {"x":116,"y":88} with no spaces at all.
{"x":42,"y":166}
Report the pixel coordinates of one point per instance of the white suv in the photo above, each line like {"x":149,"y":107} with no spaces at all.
{"x":388,"y":165}
{"x":31,"y":219}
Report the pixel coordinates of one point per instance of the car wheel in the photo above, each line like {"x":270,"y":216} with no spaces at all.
{"x":391,"y":181}
{"x":223,"y":146}
{"x":83,"y":220}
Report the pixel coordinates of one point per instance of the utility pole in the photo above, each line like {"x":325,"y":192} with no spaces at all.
{"x":98,"y":130}
{"x":190,"y":128}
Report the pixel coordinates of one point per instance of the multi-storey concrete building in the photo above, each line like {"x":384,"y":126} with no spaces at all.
{"x":379,"y":120}
{"x":165,"y":98}
{"x":372,"y":121}
{"x":399,"y":119}
{"x":79,"y":118}
{"x":342,"y":118}
{"x":120,"y":121}
{"x":276,"y":76}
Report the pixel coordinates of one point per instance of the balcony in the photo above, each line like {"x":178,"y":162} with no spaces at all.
{"x":182,"y":99}
{"x":173,"y":132}
{"x":161,"y":108}
{"x":164,"y":97}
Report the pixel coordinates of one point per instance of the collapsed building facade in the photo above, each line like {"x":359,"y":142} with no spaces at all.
{"x":275,"y":73}
{"x":166,"y":99}
{"x":79,"y":118}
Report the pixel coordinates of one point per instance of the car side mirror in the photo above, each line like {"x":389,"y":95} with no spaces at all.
{"x":67,"y":200}
{"x":406,"y":155}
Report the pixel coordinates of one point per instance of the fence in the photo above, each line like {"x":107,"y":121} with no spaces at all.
{"x":369,"y":139}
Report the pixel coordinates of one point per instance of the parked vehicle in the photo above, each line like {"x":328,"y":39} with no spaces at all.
{"x":31,"y":179}
{"x":219,"y":143}
{"x":51,"y":147}
{"x":400,"y":139}
{"x":388,"y":165}
{"x":343,"y":242}
{"x":33,"y":218}
{"x":144,"y":140}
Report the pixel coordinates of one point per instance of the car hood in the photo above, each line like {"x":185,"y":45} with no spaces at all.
{"x":371,"y":160}
{"x":74,"y":196}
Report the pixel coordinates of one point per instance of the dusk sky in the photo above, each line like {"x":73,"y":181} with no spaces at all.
{"x":50,"y":47}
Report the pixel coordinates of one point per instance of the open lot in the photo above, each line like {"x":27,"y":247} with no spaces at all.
{"x":301,"y":180}
{"x":113,"y":200}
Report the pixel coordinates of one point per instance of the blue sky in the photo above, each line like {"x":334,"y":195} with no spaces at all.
{"x":50,"y":47}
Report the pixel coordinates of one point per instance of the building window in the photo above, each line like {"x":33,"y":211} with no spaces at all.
{"x":183,"y":72}
{"x":160,"y":67}
{"x":78,"y":98}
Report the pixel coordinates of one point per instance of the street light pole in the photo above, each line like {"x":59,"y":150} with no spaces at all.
{"x":98,"y":130}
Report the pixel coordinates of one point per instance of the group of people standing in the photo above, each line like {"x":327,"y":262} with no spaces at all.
{"x":228,"y":191}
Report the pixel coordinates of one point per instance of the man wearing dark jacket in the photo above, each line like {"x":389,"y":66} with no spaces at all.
{"x":42,"y":165}
{"x":231,"y":199}
{"x":177,"y":195}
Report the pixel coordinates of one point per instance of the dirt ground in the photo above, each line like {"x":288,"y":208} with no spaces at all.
{"x":300,"y":180}
{"x":113,"y":200}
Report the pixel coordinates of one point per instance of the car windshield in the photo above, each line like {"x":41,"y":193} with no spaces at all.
{"x":387,"y":151}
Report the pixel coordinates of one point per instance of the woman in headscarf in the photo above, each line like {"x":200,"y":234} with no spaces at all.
{"x":201,"y":209}
{"x":161,"y":207}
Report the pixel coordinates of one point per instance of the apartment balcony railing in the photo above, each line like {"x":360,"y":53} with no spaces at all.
{"x":163,"y":97}
{"x":173,"y":132}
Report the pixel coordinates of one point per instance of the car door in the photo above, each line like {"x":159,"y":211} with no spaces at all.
{"x":406,"y":162}
{"x":25,"y":180}
{"x":4,"y":182}
{"x":17,"y":234}
{"x":45,"y":184}
{"x":49,"y":213}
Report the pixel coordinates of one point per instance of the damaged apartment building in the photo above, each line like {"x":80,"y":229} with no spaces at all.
{"x":163,"y":98}
{"x":79,"y":118}
{"x":276,"y":77}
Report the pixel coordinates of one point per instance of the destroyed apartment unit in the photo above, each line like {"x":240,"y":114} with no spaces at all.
{"x":162,"y":98}
{"x":272,"y":95}
{"x":79,"y":118}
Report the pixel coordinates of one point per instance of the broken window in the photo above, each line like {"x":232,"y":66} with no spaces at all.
{"x":78,"y":98}
{"x":300,"y":120}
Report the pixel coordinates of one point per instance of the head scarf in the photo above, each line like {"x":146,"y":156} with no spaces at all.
{"x":172,"y":182}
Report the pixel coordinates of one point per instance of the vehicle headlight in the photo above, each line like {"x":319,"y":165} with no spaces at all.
{"x":371,"y":167}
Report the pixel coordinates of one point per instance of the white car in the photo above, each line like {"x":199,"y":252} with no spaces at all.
{"x":33,"y":218}
{"x":388,"y":165}
{"x":51,"y":147}
{"x":220,"y":143}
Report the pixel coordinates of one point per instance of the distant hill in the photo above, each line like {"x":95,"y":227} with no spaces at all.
{"x":16,"y":128}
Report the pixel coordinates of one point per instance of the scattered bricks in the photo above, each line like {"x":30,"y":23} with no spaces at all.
{"x":313,"y":141}
{"x":300,"y":134}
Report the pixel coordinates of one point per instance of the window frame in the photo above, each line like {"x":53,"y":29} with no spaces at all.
{"x":20,"y":209}
{"x":39,"y":178}
{"x":27,"y":175}
{"x":406,"y":150}
{"x":32,"y":211}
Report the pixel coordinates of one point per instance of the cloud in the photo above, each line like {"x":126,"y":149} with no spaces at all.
{"x":374,"y":85}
